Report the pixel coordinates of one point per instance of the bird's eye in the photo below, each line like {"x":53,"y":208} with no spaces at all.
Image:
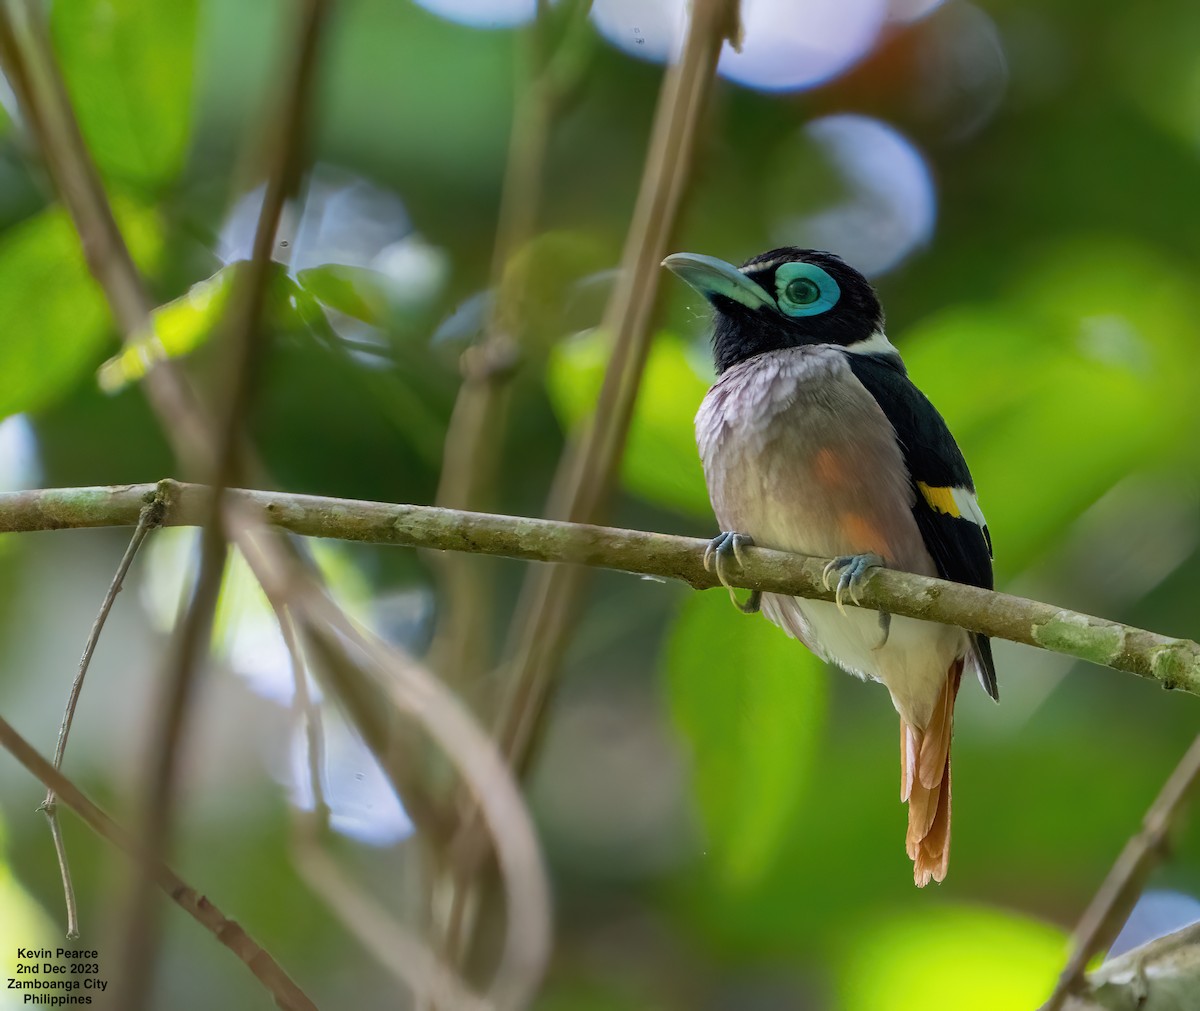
{"x":804,"y":289}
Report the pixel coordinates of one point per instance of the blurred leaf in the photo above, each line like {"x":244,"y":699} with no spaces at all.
{"x":1082,"y":384}
{"x":356,"y":291}
{"x":129,"y":66}
{"x":395,"y":293}
{"x":984,"y":959}
{"x":188,"y":322}
{"x":661,"y":463}
{"x":54,"y":312}
{"x":179,"y":327}
{"x":546,"y":275}
{"x":751,"y":703}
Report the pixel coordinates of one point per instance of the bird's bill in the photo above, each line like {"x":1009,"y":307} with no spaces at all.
{"x":711,"y":276}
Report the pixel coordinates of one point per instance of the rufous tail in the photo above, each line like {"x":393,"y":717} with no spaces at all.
{"x":925,"y":784}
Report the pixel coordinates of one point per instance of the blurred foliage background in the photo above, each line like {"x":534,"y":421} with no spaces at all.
{"x":719,"y":810}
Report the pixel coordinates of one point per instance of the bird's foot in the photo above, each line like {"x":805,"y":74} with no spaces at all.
{"x":717,"y":558}
{"x":851,"y":570}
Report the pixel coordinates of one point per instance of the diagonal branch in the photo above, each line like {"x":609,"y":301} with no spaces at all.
{"x":395,"y":947}
{"x":286,"y":993}
{"x":201,"y":446}
{"x":1103,"y":919}
{"x":244,"y":353}
{"x":1174,"y":663}
{"x":27,"y":59}
{"x":1160,"y":975}
{"x":363,"y":670}
{"x":584,"y":479}
{"x":550,"y":597}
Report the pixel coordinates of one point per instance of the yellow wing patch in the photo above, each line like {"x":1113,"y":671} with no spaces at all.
{"x":941,"y":499}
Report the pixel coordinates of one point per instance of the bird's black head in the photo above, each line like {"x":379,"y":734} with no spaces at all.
{"x":782,"y":299}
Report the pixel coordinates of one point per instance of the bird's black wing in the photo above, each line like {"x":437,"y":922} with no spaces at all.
{"x":944,"y":494}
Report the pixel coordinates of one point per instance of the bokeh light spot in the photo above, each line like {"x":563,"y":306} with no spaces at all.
{"x":1002,"y":960}
{"x":649,"y":29}
{"x":789,"y":46}
{"x":19,"y":466}
{"x":890,"y":204}
{"x":482,"y":13}
{"x":962,"y":72}
{"x":361,"y":801}
{"x":785,"y":46}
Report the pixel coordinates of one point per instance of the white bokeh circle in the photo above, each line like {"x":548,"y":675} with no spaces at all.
{"x":891,"y":203}
{"x":482,"y":13}
{"x":786,"y":45}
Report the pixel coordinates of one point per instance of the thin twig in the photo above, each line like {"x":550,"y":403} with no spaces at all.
{"x":1161,"y":975}
{"x":308,"y":716}
{"x":151,"y":516}
{"x":550,"y":597}
{"x":391,"y":745}
{"x":396,"y":948}
{"x":1112,"y":904}
{"x":472,"y":454}
{"x":244,"y":352}
{"x":45,"y":106}
{"x":196,"y":445}
{"x":186,"y":426}
{"x":364,"y":670}
{"x":40,"y":91}
{"x":585,"y":476}
{"x":1173,"y":663}
{"x":283,"y":990}
{"x":462,"y":648}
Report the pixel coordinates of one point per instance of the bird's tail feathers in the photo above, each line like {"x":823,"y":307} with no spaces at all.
{"x":925,"y":783}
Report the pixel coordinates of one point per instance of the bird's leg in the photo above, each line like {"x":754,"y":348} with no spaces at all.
{"x":717,"y":558}
{"x":851,"y":570}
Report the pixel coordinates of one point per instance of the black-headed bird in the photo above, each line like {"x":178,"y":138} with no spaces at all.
{"x":815,"y":440}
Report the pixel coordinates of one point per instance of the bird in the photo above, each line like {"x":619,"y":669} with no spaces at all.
{"x":814,"y":440}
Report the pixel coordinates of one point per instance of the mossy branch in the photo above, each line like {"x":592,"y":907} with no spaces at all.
{"x":1174,"y":663}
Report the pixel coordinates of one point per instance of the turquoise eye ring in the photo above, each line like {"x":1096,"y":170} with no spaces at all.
{"x":804,"y":289}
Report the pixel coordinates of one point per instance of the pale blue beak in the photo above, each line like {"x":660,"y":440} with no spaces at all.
{"x":711,"y":276}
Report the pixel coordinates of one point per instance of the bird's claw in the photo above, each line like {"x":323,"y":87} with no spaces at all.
{"x":716,"y":559}
{"x":885,"y":629}
{"x":851,"y":570}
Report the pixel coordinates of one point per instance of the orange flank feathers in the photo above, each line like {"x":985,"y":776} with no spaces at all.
{"x":925,"y":784}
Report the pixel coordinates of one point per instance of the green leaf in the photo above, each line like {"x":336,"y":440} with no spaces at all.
{"x":186,"y":323}
{"x":55,"y":318}
{"x":550,"y":278}
{"x":389,"y":301}
{"x":178,"y":328}
{"x":129,"y":66}
{"x":751,"y":704}
{"x":984,"y":959}
{"x":356,"y":291}
{"x":661,"y":463}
